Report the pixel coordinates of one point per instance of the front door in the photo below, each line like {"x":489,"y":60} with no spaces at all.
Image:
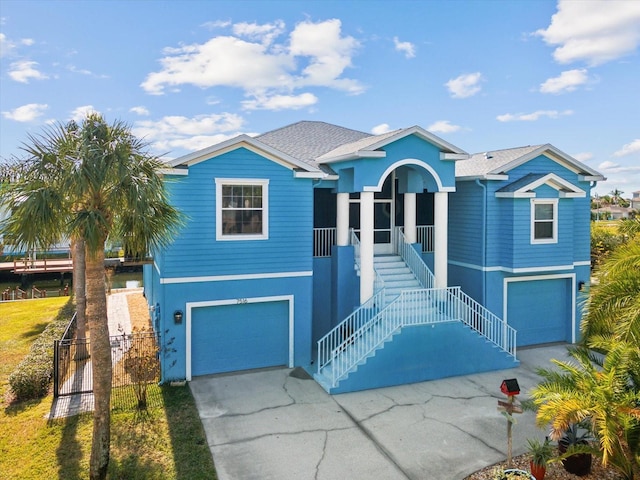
{"x":384,"y":215}
{"x":385,"y":211}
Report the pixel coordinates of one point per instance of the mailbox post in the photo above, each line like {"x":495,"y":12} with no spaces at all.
{"x":511,"y":389}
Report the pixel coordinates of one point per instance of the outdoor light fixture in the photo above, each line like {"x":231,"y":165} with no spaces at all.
{"x":177,"y":316}
{"x":510,"y":387}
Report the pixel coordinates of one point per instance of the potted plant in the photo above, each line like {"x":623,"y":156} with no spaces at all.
{"x":576,"y":437}
{"x":511,"y":474}
{"x":541,"y":454}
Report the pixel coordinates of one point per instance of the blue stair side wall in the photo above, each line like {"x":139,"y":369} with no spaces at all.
{"x":427,"y":352}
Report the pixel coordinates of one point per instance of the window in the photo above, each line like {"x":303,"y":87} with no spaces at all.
{"x":241,"y":209}
{"x":544,"y":221}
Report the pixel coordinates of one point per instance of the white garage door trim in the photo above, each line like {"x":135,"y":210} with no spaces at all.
{"x":571,"y":276}
{"x":235,"y":301}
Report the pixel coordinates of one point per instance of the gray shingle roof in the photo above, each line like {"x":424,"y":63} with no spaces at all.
{"x":308,"y":140}
{"x":491,"y":162}
{"x":358,"y":145}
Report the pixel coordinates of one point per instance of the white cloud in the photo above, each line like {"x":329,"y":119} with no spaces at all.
{"x":465,"y":85}
{"x":568,"y":81}
{"x":629,"y":149}
{"x":84,"y":71}
{"x":25,"y":70}
{"x":594,"y":32}
{"x":317,"y":55}
{"x":280,"y":102}
{"x":531,"y":117}
{"x":6,"y":45}
{"x":583,"y":156}
{"x":380,"y":129}
{"x":408,"y":48}
{"x":328,"y":54}
{"x":622,"y":174}
{"x":80,"y":113}
{"x":265,"y":33}
{"x":443,"y":126}
{"x":139,"y":110}
{"x":216,"y":24}
{"x":179,"y":132}
{"x":26,"y":113}
{"x":27,"y":41}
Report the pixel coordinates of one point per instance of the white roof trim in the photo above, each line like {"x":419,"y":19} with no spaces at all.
{"x":454,"y":156}
{"x":565,"y":189}
{"x":482,"y":177}
{"x":422,"y":133}
{"x":557,"y":155}
{"x":299,"y":174}
{"x":247,"y":142}
{"x":355,"y":155}
{"x":174,"y":171}
{"x":591,"y":178}
{"x":515,"y":195}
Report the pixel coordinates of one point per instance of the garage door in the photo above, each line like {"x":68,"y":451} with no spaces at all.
{"x":540,"y":310}
{"x":226,"y":338}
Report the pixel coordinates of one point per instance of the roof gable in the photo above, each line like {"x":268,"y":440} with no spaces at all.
{"x":496,"y":164}
{"x":525,"y":187}
{"x":252,"y":144}
{"x":370,"y":146}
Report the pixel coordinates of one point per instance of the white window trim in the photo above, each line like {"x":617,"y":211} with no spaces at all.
{"x":265,"y":208}
{"x":548,"y":201}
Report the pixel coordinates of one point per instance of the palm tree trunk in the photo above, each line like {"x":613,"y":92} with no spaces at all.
{"x":79,"y":292}
{"x":101,"y":360}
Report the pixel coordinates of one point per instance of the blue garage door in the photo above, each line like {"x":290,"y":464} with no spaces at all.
{"x":228,"y":338}
{"x":540,"y":310}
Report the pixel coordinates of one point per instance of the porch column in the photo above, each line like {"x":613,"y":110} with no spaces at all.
{"x":342,"y":220}
{"x":440,"y":220}
{"x":367,"y":276}
{"x":410,"y":232}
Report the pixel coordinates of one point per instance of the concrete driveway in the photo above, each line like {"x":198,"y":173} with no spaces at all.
{"x":279,"y":424}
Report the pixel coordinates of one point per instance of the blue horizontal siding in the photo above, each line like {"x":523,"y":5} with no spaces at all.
{"x":197,"y":253}
{"x":465,"y":223}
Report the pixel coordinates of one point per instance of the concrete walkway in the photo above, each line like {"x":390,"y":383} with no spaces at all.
{"x":119,"y":324}
{"x":279,"y":424}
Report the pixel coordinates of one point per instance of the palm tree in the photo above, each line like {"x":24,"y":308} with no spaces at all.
{"x":603,"y":388}
{"x":91,"y":182}
{"x":616,"y":195}
{"x":596,"y":391}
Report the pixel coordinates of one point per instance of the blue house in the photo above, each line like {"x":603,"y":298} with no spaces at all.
{"x":368,"y":260}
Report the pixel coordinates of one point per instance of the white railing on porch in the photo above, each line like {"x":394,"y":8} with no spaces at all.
{"x":425,"y":237}
{"x":413,"y":259}
{"x":323,"y":240}
{"x":346,"y":346}
{"x":355,"y":241}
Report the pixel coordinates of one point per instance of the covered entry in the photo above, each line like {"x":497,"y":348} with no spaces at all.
{"x":239,"y":334}
{"x":540,"y":309}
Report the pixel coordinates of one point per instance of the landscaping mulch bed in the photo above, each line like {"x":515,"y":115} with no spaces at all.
{"x":555,"y":471}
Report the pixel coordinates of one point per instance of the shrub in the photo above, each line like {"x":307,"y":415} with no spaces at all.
{"x":32,"y":377}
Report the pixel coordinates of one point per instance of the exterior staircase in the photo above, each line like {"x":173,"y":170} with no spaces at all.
{"x":440,"y":328}
{"x":396,"y":276}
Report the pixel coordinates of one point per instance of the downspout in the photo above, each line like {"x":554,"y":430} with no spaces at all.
{"x":484,"y":242}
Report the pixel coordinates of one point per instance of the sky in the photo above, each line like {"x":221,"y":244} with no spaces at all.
{"x":483,"y":75}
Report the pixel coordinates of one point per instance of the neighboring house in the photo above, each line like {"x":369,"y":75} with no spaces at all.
{"x":368,"y":260}
{"x":635,"y":201}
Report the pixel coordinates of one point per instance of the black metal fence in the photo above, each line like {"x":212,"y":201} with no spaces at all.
{"x":134,"y":358}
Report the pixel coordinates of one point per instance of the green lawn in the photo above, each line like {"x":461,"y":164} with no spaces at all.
{"x":165,"y":442}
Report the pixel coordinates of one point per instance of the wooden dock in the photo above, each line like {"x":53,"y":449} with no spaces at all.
{"x":23,"y":266}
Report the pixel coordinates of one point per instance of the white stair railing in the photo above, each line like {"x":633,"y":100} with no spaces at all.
{"x":413,"y":260}
{"x":412,"y":307}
